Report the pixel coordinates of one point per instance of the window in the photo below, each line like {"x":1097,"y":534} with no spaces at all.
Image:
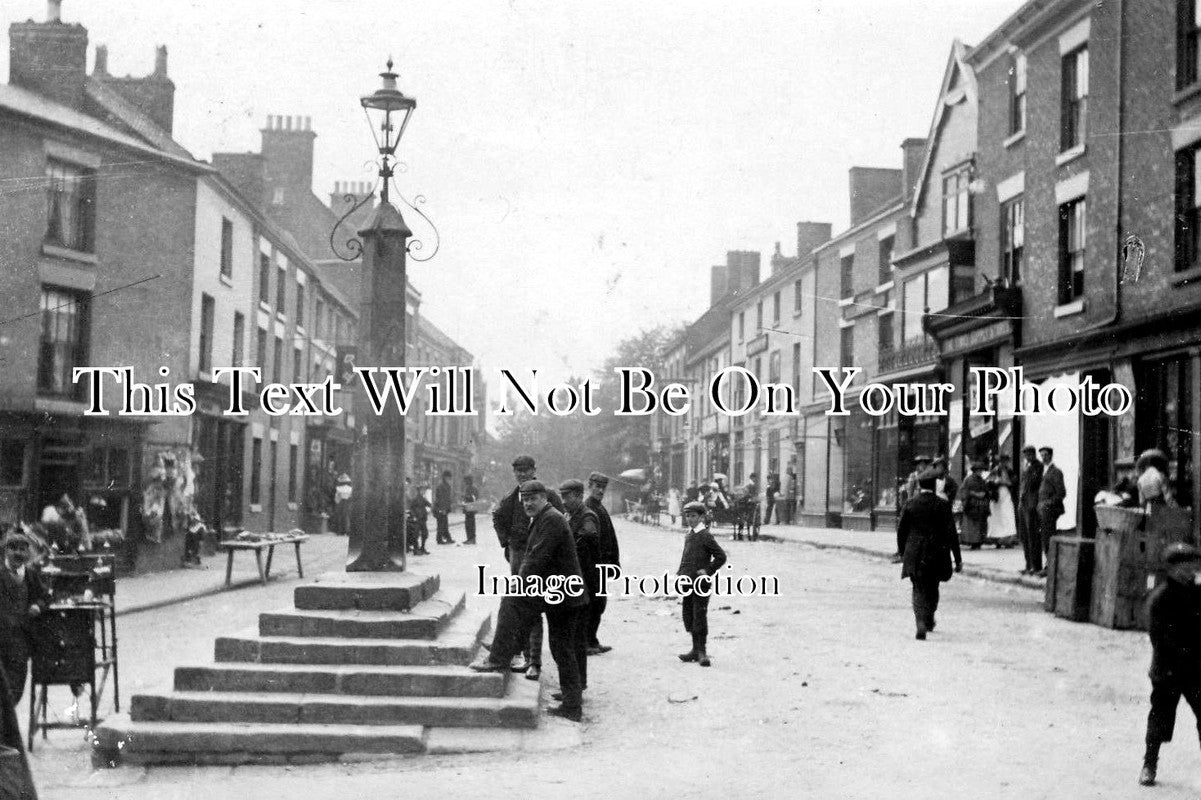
{"x":1188,"y":31}
{"x":956,"y":202}
{"x":1074,"y":100}
{"x":107,"y":467}
{"x":281,"y":290}
{"x":775,"y":308}
{"x":846,"y":347}
{"x":796,"y":369}
{"x":239,"y":338}
{"x":261,"y":350}
{"x":848,"y":275}
{"x":318,"y":317}
{"x":71,"y":206}
{"x":293,"y":461}
{"x":884,"y":323}
{"x":929,"y":291}
{"x":1017,"y":94}
{"x":298,"y":365}
{"x":227,"y":248}
{"x":207,"y":311}
{"x":797,"y":299}
{"x":741,"y":326}
{"x":264,"y":278}
{"x":773,"y":367}
{"x":277,"y":361}
{"x":64,"y":341}
{"x":1188,"y":216}
{"x":1072,"y":241}
{"x":12,"y":462}
{"x":277,"y":197}
{"x":1013,"y":237}
{"x":886,"y":247}
{"x":300,"y":305}
{"x":256,"y":471}
{"x":759,"y":317}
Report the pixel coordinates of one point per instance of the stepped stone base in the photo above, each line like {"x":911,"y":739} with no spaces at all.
{"x":366,"y":665}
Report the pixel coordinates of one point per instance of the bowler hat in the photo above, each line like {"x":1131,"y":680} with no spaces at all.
{"x":533,"y":487}
{"x":571,"y":485}
{"x":523,"y":462}
{"x":927,"y":479}
{"x":1029,"y":449}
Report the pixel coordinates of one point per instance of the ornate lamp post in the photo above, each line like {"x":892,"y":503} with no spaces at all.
{"x":377,"y":534}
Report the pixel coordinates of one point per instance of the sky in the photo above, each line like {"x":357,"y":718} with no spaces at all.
{"x":585,"y":164}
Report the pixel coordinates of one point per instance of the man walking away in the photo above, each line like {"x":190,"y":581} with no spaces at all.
{"x":773,"y":489}
{"x":1032,"y":542}
{"x":1175,"y":628}
{"x":1051,"y":494}
{"x":927,"y":533}
{"x":470,"y":495}
{"x":609,"y":554}
{"x":442,"y":505}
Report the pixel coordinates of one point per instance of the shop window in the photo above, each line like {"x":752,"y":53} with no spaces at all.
{"x":71,"y":206}
{"x":108,"y":468}
{"x":1164,"y":414}
{"x":887,"y":461}
{"x":63,"y":341}
{"x":12,"y":462}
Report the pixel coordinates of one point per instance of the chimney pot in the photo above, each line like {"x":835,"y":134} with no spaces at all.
{"x":54,"y":10}
{"x":160,"y":61}
{"x":101,"y":67}
{"x":308,"y":123}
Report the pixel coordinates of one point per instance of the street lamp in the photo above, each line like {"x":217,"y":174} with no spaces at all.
{"x":380,"y":107}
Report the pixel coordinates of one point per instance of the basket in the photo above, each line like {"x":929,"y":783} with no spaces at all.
{"x":1120,"y":519}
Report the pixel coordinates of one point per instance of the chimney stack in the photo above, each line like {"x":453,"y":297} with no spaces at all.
{"x":718,"y":283}
{"x":160,"y":61}
{"x":811,"y":235}
{"x":153,"y":95}
{"x":49,"y":58}
{"x":913,"y":150}
{"x":100,"y":69}
{"x":872,"y":189}
{"x":288,"y":153}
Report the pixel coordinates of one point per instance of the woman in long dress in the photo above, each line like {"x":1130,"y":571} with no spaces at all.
{"x":974,"y":493}
{"x":1002,"y":520}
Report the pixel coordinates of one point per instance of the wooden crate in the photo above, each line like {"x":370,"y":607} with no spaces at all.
{"x":1069,"y":577}
{"x":1126,"y":562}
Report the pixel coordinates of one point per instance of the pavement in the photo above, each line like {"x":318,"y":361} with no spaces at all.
{"x":817,"y":691}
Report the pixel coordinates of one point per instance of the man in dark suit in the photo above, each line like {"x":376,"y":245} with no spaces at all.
{"x":512,"y":527}
{"x":22,"y":599}
{"x":927,"y":533}
{"x":550,"y":551}
{"x":609,"y":554}
{"x":1032,"y":541}
{"x":470,"y":495}
{"x":1051,"y":494}
{"x":442,"y":506}
{"x":585,"y":529}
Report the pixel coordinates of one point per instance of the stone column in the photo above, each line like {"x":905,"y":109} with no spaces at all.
{"x":377,"y":530}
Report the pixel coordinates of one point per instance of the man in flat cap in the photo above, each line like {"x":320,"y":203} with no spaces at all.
{"x":550,"y":551}
{"x":921,"y":463}
{"x":22,"y":599}
{"x":512,"y":526}
{"x":702,"y":557}
{"x":585,"y":529}
{"x":609,"y":554}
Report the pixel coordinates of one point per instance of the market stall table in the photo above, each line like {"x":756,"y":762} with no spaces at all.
{"x":258,"y":542}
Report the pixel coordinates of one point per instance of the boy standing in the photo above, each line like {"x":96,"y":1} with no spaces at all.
{"x":702,"y":556}
{"x":22,"y":599}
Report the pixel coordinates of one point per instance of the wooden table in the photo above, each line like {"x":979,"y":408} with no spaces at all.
{"x":231,"y":546}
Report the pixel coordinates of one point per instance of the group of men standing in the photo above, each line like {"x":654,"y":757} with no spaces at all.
{"x":546,"y":533}
{"x":1041,"y":494}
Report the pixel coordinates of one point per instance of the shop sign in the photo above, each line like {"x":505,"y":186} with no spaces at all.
{"x":976,"y":339}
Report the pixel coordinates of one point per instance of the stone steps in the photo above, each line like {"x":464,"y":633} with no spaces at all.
{"x":456,"y":644}
{"x":352,"y":679}
{"x":333,"y":709}
{"x":366,"y":664}
{"x":423,"y":621}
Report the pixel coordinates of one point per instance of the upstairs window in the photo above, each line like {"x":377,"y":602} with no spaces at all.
{"x":264,"y":278}
{"x":227,"y":248}
{"x":239,"y":338}
{"x":847,"y":285}
{"x":281,"y":291}
{"x":207,"y":313}
{"x":886,"y":247}
{"x":759,"y":317}
{"x":1072,"y":241}
{"x":1017,"y":94}
{"x":1188,"y":31}
{"x":71,"y":206}
{"x":1074,"y":98}
{"x":956,"y":202}
{"x":1188,"y":215}
{"x":63,"y":341}
{"x":300,"y":305}
{"x":1013,"y":239}
{"x":797,"y":297}
{"x":846,"y":347}
{"x":775,"y":308}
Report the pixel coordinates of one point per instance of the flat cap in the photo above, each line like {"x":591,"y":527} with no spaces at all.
{"x":1180,"y":552}
{"x":532,"y":487}
{"x":918,"y":459}
{"x":524,"y":462}
{"x":598,"y":479}
{"x":1028,"y":449}
{"x":571,"y":485}
{"x":695,"y":506}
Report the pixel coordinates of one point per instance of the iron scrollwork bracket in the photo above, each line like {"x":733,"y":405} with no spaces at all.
{"x":353,"y":245}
